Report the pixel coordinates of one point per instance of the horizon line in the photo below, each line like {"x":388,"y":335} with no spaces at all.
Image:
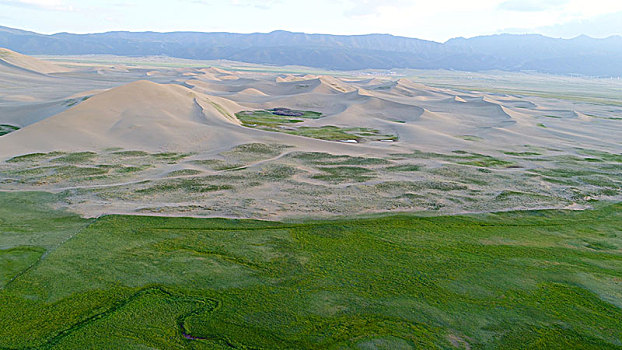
{"x":308,"y":33}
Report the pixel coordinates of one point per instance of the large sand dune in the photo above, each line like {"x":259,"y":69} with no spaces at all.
{"x":142,"y":115}
{"x":16,"y":61}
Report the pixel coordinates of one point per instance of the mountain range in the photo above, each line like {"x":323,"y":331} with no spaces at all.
{"x":509,"y":52}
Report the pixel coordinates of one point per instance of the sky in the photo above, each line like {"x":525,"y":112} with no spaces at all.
{"x":437,"y":20}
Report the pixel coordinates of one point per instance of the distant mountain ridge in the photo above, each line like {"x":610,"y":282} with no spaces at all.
{"x":582,"y":55}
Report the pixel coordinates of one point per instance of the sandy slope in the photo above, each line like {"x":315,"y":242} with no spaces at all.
{"x":13,"y":60}
{"x":142,"y":115}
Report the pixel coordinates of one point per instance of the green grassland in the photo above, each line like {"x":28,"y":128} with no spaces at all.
{"x":529,"y":280}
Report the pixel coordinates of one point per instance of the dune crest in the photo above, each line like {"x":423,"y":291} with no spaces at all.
{"x":13,"y":60}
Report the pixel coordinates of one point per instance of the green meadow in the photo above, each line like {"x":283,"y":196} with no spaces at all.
{"x":549,"y":279}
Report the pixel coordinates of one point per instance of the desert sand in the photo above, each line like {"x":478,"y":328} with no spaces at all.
{"x":436,"y":148}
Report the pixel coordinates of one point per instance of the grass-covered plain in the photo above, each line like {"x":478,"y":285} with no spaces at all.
{"x":531,"y":280}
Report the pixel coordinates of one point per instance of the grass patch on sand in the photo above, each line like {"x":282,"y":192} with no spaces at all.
{"x":34,"y":157}
{"x":321,"y":158}
{"x":470,"y":138}
{"x":7,"y":129}
{"x":219,"y":164}
{"x":335,"y":133}
{"x":604,"y":156}
{"x":184,"y":172}
{"x":523,"y":154}
{"x":75,"y":158}
{"x":284,"y":120}
{"x":485,"y":161}
{"x":74,"y":101}
{"x":251,"y":152}
{"x":534,"y":279}
{"x":191,"y":185}
{"x":131,"y":153}
{"x":170,"y":157}
{"x":403,"y":168}
{"x":339,"y":174}
{"x":459,"y":157}
{"x":274,"y":118}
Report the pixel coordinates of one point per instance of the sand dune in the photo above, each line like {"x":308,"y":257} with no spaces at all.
{"x":252,"y":92}
{"x":370,"y":108}
{"x":147,"y":116}
{"x":141,"y":115}
{"x":196,"y":109}
{"x":13,"y":60}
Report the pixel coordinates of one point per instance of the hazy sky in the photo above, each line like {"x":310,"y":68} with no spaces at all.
{"x":436,"y":20}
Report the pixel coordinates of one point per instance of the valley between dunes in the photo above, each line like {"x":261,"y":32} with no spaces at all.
{"x":206,"y":141}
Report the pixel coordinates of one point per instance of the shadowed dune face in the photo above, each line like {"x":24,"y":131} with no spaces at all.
{"x":215,"y":142}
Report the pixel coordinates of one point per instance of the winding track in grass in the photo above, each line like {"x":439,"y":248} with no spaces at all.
{"x":209,"y":305}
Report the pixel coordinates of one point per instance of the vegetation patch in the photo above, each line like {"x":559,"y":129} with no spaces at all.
{"x":170,"y":157}
{"x":335,"y":133}
{"x":485,"y":161}
{"x":219,"y":164}
{"x":74,"y":101}
{"x":459,"y":157}
{"x":131,"y":169}
{"x":404,"y":168}
{"x":272,"y":119}
{"x":340,"y":174}
{"x":33,"y":157}
{"x":131,"y":153}
{"x":75,"y":158}
{"x":471,"y":138}
{"x":76,"y":173}
{"x":6,"y":129}
{"x":605,"y":156}
{"x":184,"y":172}
{"x":193,"y":185}
{"x":321,"y":158}
{"x":251,"y":152}
{"x":414,"y":186}
{"x":284,"y":120}
{"x":522,"y":154}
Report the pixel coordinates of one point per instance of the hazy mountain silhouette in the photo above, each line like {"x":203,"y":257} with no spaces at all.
{"x":581,"y":55}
